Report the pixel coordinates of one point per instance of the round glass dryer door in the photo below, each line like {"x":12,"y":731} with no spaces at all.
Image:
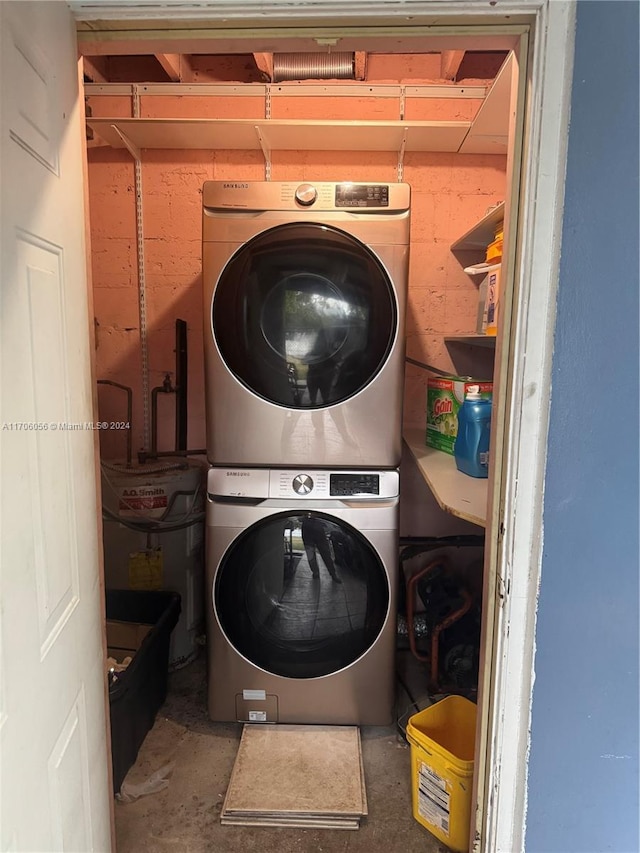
{"x":301,"y":595}
{"x":304,"y":315}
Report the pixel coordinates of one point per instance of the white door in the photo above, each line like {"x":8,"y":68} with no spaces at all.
{"x":53,"y":748}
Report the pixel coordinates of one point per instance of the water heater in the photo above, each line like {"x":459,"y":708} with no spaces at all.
{"x":153,"y":538}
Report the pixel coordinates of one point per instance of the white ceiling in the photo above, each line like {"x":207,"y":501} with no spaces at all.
{"x":238,"y":10}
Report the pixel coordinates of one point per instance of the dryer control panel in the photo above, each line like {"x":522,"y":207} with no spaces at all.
{"x":297,"y":485}
{"x":305,"y":197}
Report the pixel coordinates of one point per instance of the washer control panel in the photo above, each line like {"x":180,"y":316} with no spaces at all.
{"x":296,"y":485}
{"x":337,"y":485}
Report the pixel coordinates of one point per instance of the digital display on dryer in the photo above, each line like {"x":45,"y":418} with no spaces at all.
{"x":349,"y":485}
{"x":361,"y":195}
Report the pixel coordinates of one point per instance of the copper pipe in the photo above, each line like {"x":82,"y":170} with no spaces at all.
{"x":433,"y":658}
{"x":411,"y":598}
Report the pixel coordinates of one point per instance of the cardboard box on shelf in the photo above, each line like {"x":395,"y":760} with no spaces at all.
{"x":445,"y":395}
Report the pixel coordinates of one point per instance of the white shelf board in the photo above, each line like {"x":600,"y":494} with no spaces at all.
{"x":444,"y":136}
{"x":177,"y":133}
{"x":482,"y":233}
{"x":282,"y":134}
{"x":489,"y":133}
{"x":462,"y":496}
{"x":476,"y":143}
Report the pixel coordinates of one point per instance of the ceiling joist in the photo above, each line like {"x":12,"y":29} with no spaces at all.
{"x":170,"y":62}
{"x":264,"y":63}
{"x":450,"y":61}
{"x":360,"y":65}
{"x":176,"y":66}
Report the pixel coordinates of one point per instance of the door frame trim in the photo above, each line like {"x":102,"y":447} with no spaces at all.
{"x":538,"y":244}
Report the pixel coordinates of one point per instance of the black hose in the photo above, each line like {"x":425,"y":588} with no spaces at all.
{"x":407,"y":691}
{"x":174,"y":496}
{"x":181,"y":385}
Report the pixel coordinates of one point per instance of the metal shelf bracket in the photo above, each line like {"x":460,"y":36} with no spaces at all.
{"x":131,"y":147}
{"x":266,"y":151}
{"x":403,"y":145}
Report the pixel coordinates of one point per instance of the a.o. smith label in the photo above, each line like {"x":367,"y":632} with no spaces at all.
{"x":150,"y":501}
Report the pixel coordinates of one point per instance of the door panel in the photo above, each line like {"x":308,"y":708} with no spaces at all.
{"x":304,"y":315}
{"x":53,"y":747}
{"x":301,"y":595}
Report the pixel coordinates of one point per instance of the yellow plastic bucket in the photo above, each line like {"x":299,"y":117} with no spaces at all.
{"x":442,"y":740}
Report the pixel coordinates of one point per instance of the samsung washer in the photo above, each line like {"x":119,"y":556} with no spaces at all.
{"x":302,"y":573}
{"x":304,"y":299}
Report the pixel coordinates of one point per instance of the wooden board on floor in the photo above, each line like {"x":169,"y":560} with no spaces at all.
{"x":299,"y":824}
{"x":305,"y":775}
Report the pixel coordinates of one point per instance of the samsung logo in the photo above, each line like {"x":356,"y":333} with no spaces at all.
{"x":238,"y":474}
{"x":235,"y":186}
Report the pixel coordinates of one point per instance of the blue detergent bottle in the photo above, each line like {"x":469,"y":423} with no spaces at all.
{"x":471,"y":448}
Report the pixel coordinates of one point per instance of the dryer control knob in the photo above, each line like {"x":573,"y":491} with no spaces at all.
{"x":306,"y":194}
{"x":302,"y":484}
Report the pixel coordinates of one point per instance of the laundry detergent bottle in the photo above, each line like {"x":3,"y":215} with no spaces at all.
{"x":471,"y":448}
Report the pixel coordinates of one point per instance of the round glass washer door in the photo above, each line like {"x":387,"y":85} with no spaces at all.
{"x":304,"y":315}
{"x":301,"y":595}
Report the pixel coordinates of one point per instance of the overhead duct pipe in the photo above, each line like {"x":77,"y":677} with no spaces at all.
{"x":313,"y":66}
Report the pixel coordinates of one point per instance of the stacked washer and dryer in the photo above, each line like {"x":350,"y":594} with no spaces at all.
{"x":304,"y":295}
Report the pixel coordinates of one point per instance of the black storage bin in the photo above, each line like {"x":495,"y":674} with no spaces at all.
{"x":139,"y":691}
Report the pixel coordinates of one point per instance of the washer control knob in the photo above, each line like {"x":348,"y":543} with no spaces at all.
{"x":302,"y":484}
{"x":306,"y":194}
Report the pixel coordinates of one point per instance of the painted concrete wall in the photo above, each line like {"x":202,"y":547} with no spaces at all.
{"x":449,"y":193}
{"x":583,"y":774}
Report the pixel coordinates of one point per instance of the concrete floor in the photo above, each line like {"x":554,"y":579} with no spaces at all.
{"x":185,"y":816}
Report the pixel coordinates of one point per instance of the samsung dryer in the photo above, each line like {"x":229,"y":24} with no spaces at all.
{"x":302,"y":572}
{"x":304,"y":300}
